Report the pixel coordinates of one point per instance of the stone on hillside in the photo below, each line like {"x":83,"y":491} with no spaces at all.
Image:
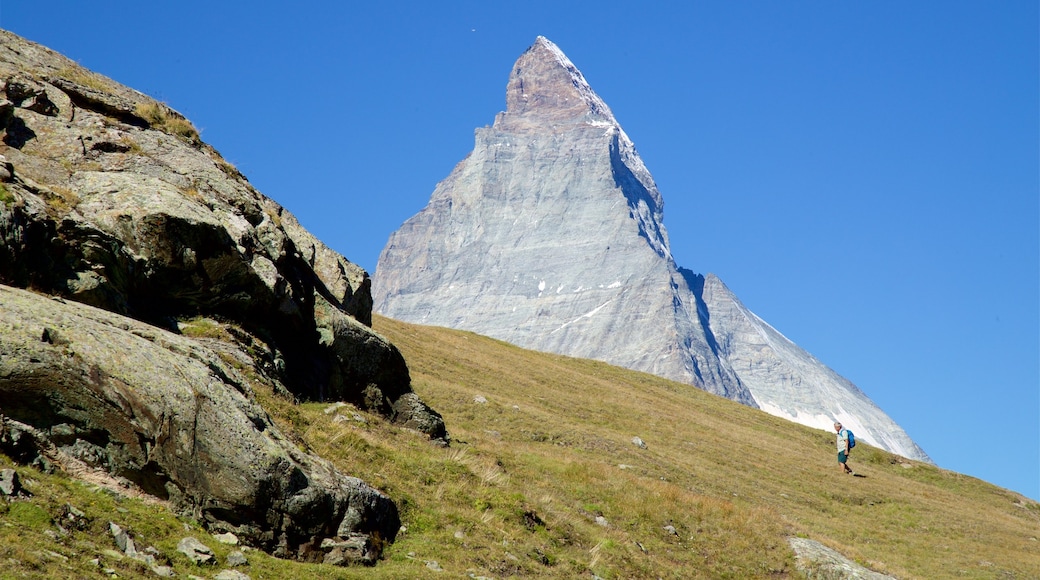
{"x":150,"y":556}
{"x":550,"y":235}
{"x":237,"y":558}
{"x":818,"y":561}
{"x":411,"y":412}
{"x":226,"y":538}
{"x":122,"y":539}
{"x":196,"y":551}
{"x":73,"y":518}
{"x":10,"y":484}
{"x":353,"y":549}
{"x":334,"y":407}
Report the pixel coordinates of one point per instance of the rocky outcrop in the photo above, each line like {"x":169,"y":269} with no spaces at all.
{"x":111,"y":199}
{"x":169,"y":417}
{"x":550,"y":235}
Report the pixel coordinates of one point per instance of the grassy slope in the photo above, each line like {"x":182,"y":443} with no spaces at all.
{"x":531,"y":470}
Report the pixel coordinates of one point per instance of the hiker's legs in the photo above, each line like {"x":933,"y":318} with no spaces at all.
{"x":842,"y":461}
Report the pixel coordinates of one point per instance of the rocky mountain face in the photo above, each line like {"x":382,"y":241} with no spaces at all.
{"x":141,"y":235}
{"x":550,"y":235}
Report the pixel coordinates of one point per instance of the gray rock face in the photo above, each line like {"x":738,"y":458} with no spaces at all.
{"x":172,"y":418}
{"x":550,"y":235}
{"x":111,"y":201}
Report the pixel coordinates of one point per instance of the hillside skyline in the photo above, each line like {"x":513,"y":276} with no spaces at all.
{"x":864,"y":178}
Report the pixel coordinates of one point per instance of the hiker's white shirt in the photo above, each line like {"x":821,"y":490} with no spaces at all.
{"x":843,"y":437}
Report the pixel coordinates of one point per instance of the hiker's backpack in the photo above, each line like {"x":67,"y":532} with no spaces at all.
{"x":852,"y":438}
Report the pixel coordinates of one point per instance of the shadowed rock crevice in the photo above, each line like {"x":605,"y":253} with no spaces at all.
{"x":643,"y":207}
{"x":696,"y":284}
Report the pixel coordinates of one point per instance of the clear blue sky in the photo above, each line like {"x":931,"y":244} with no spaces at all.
{"x":864,"y":175}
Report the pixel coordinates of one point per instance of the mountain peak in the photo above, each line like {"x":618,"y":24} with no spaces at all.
{"x":545,"y":85}
{"x":550,"y":235}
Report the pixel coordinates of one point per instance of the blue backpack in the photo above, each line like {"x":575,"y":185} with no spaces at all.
{"x":852,"y":438}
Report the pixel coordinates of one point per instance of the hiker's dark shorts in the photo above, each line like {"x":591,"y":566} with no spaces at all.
{"x":841,"y":457}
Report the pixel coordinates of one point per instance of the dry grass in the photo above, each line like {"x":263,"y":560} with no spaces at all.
{"x":86,"y":78}
{"x":133,"y":146}
{"x":733,"y":481}
{"x":542,"y":480}
{"x":61,"y":200}
{"x":164,"y":119}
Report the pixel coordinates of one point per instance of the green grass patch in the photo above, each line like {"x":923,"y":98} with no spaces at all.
{"x":6,"y":197}
{"x":28,"y":515}
{"x":202,"y":327}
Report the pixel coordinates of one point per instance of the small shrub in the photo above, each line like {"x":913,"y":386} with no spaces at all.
{"x":62,"y":199}
{"x":153,"y":113}
{"x":81,"y":76}
{"x":194,"y":195}
{"x":200,"y":327}
{"x":229,"y":169}
{"x":163,"y":118}
{"x":276,"y":217}
{"x":6,"y":197}
{"x":181,"y":127}
{"x":134,"y":147}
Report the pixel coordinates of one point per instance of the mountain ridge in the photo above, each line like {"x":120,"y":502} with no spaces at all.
{"x":551,"y":235}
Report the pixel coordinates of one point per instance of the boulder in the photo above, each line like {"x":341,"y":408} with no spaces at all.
{"x":172,"y":418}
{"x":237,"y":558}
{"x":10,"y":484}
{"x":196,"y":551}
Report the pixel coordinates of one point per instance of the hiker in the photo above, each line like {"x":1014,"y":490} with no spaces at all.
{"x":843,"y":449}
